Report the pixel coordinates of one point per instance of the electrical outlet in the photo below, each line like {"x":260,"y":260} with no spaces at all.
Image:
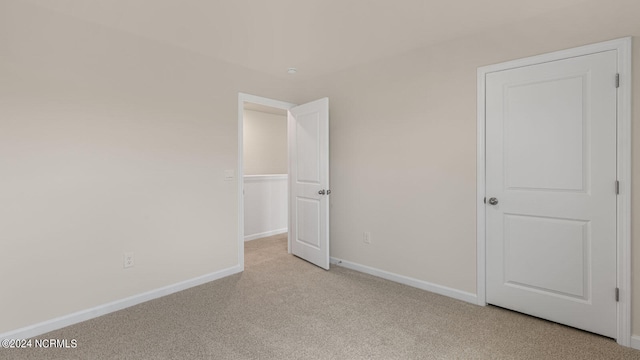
{"x":128,"y":260}
{"x":366,"y":237}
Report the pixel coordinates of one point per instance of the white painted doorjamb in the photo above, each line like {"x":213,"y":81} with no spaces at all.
{"x":242,"y":98}
{"x":623,"y":47}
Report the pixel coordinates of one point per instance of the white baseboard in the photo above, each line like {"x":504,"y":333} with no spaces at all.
{"x":635,"y":342}
{"x":83,"y":315}
{"x":420,"y":284}
{"x":265,"y":234}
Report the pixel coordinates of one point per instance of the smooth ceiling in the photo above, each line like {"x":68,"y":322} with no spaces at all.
{"x":316,"y":36}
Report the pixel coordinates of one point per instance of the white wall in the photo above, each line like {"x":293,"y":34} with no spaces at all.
{"x":265,"y":205}
{"x":403,"y":144}
{"x":110,"y":143}
{"x":264,"y":143}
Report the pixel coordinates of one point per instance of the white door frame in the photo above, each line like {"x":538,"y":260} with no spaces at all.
{"x":623,"y":47}
{"x":242,"y":98}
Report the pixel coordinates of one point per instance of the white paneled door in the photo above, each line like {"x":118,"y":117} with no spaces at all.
{"x":309,"y":181}
{"x":551,"y":190}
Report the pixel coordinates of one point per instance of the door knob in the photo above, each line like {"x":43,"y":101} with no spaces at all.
{"x":493,"y":201}
{"x":321,"y":192}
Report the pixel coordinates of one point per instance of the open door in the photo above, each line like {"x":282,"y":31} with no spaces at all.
{"x":309,"y":181}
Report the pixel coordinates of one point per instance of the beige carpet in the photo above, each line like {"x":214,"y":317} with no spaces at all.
{"x":284,"y":308}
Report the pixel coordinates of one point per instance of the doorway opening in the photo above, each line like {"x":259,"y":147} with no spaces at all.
{"x":263,"y":184}
{"x":265,"y":172}
{"x":308,"y":177}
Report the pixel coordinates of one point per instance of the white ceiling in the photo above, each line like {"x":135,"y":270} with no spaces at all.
{"x":316,"y":36}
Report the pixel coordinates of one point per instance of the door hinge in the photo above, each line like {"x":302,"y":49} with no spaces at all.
{"x":617,"y":80}
{"x":617,"y":294}
{"x":617,"y":187}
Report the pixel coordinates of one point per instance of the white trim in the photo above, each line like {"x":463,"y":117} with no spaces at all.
{"x":480,"y":193}
{"x":623,"y":47}
{"x":420,"y":284}
{"x":266,"y":177}
{"x":265,"y":234}
{"x":635,"y":342}
{"x":624,"y":199}
{"x":83,"y":315}
{"x":242,"y":98}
